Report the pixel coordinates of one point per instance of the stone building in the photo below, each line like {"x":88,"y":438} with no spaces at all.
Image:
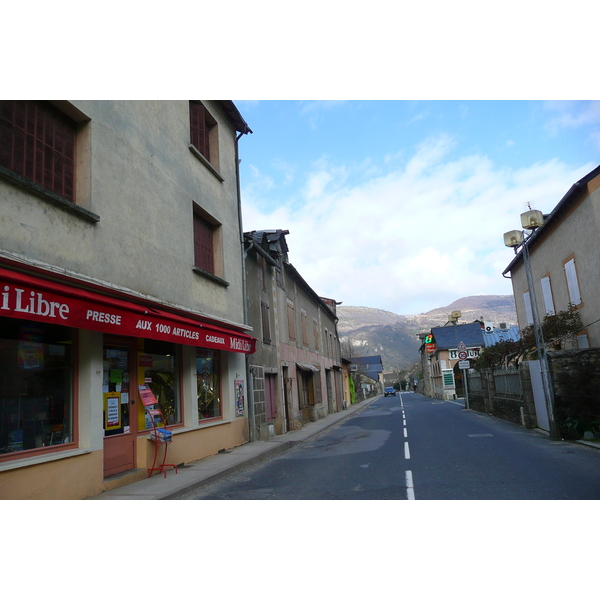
{"x":296,"y":370}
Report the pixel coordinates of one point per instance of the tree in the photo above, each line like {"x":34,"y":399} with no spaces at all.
{"x":349,"y":348}
{"x":556,"y":328}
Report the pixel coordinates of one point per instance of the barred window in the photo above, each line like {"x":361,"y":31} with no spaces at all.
{"x":204,"y":244}
{"x":204,"y":133}
{"x":37,"y":142}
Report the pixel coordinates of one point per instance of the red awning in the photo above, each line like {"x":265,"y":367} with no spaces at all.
{"x":24,"y":296}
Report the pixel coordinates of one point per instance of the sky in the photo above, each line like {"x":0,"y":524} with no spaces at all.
{"x":402,"y":204}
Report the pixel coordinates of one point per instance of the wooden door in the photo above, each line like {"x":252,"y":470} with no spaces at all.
{"x":271,"y":397}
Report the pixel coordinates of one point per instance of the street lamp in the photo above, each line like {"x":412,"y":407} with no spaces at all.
{"x":531,"y":220}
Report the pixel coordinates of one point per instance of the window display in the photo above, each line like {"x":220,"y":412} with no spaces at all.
{"x":208,"y":371}
{"x":160,"y":369}
{"x":36,"y":376}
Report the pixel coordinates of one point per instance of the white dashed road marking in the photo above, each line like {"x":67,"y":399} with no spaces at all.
{"x":410,"y":490}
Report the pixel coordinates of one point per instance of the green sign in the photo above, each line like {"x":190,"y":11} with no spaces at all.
{"x":448,"y":378}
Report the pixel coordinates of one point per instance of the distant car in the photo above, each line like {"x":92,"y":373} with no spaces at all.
{"x":389,"y":391}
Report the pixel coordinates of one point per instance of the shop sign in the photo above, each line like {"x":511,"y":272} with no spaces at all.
{"x":26,"y":297}
{"x":448,"y":378}
{"x":456,"y":354}
{"x":430,"y":344}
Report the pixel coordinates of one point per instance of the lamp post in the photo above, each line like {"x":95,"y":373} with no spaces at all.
{"x":532,"y":220}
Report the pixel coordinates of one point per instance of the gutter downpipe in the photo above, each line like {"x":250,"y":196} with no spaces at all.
{"x":244,"y":252}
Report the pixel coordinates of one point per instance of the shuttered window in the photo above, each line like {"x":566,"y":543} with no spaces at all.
{"x":199,"y":129}
{"x":304,"y":328}
{"x":528,"y":308}
{"x":572,"y":283}
{"x":37,"y":142}
{"x":204,"y":244}
{"x":265,"y":323}
{"x":261,"y":272}
{"x":547,"y":294}
{"x":291,"y":315}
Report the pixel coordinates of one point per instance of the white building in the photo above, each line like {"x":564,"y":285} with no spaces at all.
{"x":564,"y":258}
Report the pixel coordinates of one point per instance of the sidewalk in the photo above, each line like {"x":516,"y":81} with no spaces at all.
{"x":211,"y":468}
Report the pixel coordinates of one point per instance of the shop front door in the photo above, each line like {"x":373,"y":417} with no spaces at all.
{"x":120,"y":409}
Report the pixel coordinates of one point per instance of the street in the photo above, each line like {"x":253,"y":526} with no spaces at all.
{"x":411,"y":447}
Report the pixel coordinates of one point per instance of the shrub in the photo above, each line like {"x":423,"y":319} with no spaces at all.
{"x":577,"y":397}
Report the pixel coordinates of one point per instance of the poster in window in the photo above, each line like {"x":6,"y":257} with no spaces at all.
{"x":239,"y":397}
{"x":31,"y":348}
{"x":146,"y":395}
{"x":112,"y":410}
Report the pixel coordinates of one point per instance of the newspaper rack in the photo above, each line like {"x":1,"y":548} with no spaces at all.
{"x":160,"y":436}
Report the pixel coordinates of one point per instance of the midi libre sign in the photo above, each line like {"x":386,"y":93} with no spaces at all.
{"x":26,"y":297}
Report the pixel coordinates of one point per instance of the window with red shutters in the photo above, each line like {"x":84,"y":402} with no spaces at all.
{"x":199,"y":129}
{"x":37,"y":142}
{"x":204,"y":244}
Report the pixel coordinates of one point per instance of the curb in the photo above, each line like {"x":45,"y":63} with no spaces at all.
{"x":229,"y":470}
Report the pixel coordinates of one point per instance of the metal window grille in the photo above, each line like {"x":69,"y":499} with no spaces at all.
{"x":199,"y":129}
{"x":204,"y":244}
{"x":37,"y":142}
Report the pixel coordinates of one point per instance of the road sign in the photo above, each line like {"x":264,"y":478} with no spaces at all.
{"x":461,"y":346}
{"x":463,"y":355}
{"x":464,"y":364}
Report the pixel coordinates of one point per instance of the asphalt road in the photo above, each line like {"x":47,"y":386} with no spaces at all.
{"x":411,"y":447}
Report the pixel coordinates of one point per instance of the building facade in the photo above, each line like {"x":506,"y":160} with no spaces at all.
{"x":564,"y":254}
{"x":120,"y":266}
{"x":440,"y":363}
{"x":296,"y":371}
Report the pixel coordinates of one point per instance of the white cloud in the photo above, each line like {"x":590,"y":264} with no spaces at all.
{"x":415,"y":238}
{"x":575,"y":114}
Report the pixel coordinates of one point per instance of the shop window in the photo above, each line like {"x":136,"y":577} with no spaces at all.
{"x":36,"y":386}
{"x":208,"y":372}
{"x":160,"y":367}
{"x":37,"y":142}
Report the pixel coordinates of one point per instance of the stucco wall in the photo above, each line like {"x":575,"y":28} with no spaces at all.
{"x":576,"y":235}
{"x":143,"y":181}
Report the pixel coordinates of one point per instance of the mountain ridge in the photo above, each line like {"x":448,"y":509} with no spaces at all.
{"x":394,"y":336}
